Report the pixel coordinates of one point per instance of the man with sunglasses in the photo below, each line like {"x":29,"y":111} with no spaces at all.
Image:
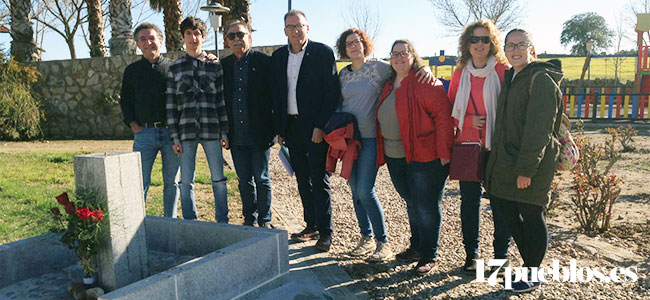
{"x":307,"y":92}
{"x":249,"y":104}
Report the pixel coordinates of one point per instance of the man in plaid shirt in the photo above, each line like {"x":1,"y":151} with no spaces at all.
{"x":196,"y":114}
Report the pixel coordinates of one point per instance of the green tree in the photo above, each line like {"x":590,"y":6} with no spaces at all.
{"x":585,"y":27}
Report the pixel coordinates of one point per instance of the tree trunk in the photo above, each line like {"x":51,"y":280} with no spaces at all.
{"x":172,"y":15}
{"x":70,"y":43}
{"x":23,"y":47}
{"x":121,"y":42}
{"x":96,"y":29}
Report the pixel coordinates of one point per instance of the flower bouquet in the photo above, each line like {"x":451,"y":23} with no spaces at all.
{"x":80,"y":227}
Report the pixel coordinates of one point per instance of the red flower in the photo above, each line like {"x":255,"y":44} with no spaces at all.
{"x":83,"y":213}
{"x":96,"y":215}
{"x":69,"y":208}
{"x":63,"y":199}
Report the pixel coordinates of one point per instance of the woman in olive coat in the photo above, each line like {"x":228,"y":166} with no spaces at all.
{"x":525,"y":148}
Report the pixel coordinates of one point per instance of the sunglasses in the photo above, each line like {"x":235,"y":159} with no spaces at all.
{"x":475,"y":39}
{"x":239,"y":34}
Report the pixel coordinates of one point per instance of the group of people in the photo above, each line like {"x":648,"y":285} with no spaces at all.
{"x":500,"y":97}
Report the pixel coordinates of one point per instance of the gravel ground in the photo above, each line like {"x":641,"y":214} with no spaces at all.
{"x":395,"y":280}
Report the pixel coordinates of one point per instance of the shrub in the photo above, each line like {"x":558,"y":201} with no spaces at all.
{"x":625,"y":135}
{"x":595,"y":189}
{"x":20,"y":113}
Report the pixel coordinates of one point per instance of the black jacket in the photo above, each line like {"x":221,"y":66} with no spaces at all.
{"x":318,"y":91}
{"x":260,"y":101}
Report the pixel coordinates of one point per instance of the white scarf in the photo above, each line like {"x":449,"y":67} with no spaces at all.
{"x":491,"y":89}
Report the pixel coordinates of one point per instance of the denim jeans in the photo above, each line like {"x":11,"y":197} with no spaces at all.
{"x":214,"y":156}
{"x":422,"y":185}
{"x":470,"y":196}
{"x":252,"y":167}
{"x":148,"y":142}
{"x":362,"y":183}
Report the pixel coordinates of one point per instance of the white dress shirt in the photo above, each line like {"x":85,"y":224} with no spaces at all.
{"x":293,"y":70}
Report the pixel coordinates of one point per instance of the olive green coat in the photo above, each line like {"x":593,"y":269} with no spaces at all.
{"x":525,"y":134}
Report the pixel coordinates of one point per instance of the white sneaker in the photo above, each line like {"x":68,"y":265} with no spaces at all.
{"x":365,"y":246}
{"x":382,"y":253}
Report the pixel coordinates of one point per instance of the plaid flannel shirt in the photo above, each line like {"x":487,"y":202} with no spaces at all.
{"x":195,"y":104}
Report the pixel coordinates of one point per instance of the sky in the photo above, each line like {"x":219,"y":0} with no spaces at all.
{"x":411,"y":19}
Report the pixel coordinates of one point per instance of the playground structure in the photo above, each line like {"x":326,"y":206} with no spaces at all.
{"x":615,"y":103}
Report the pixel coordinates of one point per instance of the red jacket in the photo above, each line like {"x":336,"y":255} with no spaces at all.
{"x":468,"y":132}
{"x":343,"y":147}
{"x":425,"y":122}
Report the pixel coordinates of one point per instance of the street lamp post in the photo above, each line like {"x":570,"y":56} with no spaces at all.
{"x":216,"y":10}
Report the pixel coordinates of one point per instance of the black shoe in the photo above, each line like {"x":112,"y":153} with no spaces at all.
{"x":305,"y":235}
{"x":409,"y":255}
{"x":470,"y":264}
{"x":248,"y":223}
{"x":324,"y":243}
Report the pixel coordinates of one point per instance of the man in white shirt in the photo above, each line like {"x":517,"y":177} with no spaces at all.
{"x":307,"y":92}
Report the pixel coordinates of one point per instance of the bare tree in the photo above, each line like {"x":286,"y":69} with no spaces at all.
{"x":363,"y":15}
{"x":4,"y":12}
{"x":64,"y":17}
{"x":636,"y":7}
{"x":455,"y":14}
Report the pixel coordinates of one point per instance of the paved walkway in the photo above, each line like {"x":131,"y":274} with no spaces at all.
{"x":313,"y":274}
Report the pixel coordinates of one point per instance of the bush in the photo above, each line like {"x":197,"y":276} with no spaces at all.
{"x":20,"y":112}
{"x":595,"y":188}
{"x":625,"y":135}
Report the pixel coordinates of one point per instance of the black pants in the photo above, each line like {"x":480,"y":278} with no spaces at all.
{"x":308,"y":163}
{"x":527,"y":225}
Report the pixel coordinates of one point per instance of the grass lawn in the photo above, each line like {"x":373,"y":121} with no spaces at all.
{"x":601,"y":67}
{"x":30,"y":181}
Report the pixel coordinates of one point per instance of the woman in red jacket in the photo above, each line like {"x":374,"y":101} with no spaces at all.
{"x":414,"y":137}
{"x":473,"y":92}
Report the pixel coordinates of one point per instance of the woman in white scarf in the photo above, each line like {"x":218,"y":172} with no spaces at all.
{"x":473,"y":92}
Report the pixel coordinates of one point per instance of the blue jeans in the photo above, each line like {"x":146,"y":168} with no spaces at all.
{"x":252,"y":167}
{"x":362,"y":183}
{"x":422,"y":185}
{"x":148,"y":142}
{"x":214,"y":156}
{"x":470,"y":196}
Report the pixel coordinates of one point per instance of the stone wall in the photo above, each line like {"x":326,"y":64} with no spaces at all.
{"x":81,"y":97}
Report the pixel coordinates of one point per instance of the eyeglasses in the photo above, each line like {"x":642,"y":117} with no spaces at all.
{"x":520,"y":46}
{"x":352,"y":43}
{"x":475,"y":39}
{"x":294,"y":27}
{"x":238,"y":34}
{"x":404,"y":54}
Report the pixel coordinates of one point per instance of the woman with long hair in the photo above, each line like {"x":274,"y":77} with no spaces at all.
{"x":525,"y":148}
{"x":414,"y":137}
{"x":361,"y":84}
{"x":473,"y":92}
